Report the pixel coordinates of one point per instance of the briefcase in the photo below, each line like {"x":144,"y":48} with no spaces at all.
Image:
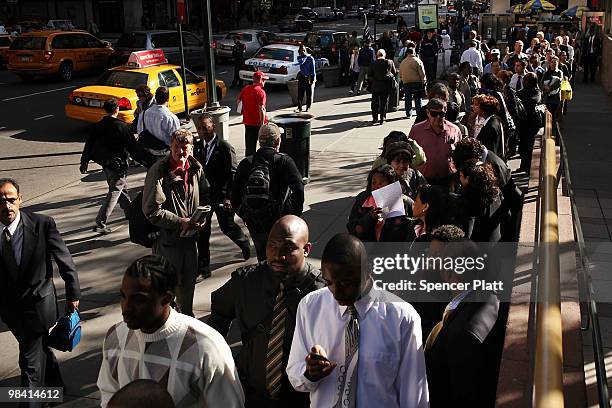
{"x":67,"y":333}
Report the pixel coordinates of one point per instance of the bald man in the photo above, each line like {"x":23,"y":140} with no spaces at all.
{"x":142,"y":394}
{"x":263,"y":299}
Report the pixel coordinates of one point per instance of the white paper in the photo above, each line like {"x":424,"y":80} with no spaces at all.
{"x":389,"y":198}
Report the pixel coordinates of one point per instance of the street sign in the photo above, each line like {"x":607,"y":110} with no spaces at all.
{"x":181,"y":12}
{"x":427,"y":16}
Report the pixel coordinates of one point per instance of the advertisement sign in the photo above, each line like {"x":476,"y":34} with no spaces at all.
{"x":427,"y":16}
{"x":181,"y":12}
{"x":147,"y":58}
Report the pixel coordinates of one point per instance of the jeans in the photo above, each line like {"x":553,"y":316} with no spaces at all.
{"x":363,"y":74}
{"x":380,"y":101}
{"x":354,"y":76}
{"x":117,"y":192}
{"x":304,"y":86}
{"x":250,"y":139}
{"x":413,"y":90}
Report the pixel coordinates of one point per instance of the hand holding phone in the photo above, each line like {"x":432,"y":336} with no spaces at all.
{"x":318,"y":366}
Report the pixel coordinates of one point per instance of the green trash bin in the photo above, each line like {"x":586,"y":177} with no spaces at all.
{"x":295,"y":140}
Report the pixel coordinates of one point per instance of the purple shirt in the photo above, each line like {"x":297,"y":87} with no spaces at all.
{"x":437,"y":148}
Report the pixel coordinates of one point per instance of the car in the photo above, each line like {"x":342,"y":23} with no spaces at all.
{"x":295,"y":23}
{"x":253,"y":40}
{"x":167,"y":40}
{"x":279,"y":62}
{"x":326,"y":43}
{"x":338,"y":14}
{"x":355,"y":13}
{"x":5,"y":43}
{"x":59,"y":53}
{"x":307,"y":12}
{"x":386,"y":17}
{"x":324,"y":14}
{"x":86,"y":103}
{"x":59,"y":25}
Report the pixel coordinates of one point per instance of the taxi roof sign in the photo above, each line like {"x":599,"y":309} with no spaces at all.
{"x":146,"y":58}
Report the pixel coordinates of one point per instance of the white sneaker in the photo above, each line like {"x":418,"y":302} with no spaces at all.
{"x":297,"y":110}
{"x":351,"y":92}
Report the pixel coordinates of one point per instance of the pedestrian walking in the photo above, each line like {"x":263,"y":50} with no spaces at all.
{"x":447,"y":48}
{"x":253,"y":100}
{"x":28,"y":304}
{"x":306,"y":78}
{"x":414,"y":80}
{"x":354,"y":69}
{"x":591,"y":54}
{"x":254,"y":296}
{"x":174,"y":188}
{"x":338,"y":329}
{"x":429,"y":55}
{"x":366,"y":57}
{"x":474,"y":57}
{"x":218,"y":159}
{"x":109,"y":144}
{"x":189,"y":358}
{"x":382,"y":76}
{"x":145,"y":101}
{"x":267,"y":186}
{"x":238,"y":57}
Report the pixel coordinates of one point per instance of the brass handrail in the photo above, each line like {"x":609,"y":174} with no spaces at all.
{"x":548,"y":370}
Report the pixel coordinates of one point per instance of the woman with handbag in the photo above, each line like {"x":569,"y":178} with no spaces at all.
{"x":382,"y":78}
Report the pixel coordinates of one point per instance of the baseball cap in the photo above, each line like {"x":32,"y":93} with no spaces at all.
{"x":495,"y":51}
{"x":260,"y":75}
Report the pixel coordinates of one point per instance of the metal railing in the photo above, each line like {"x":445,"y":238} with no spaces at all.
{"x":548,"y":370}
{"x":592,"y":316}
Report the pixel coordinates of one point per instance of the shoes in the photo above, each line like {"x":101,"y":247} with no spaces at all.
{"x":297,"y":110}
{"x":101,"y":229}
{"x":374,"y":122}
{"x":381,"y":121}
{"x":307,"y":110}
{"x":246,"y":252}
{"x":351,"y":92}
{"x":204,"y":273}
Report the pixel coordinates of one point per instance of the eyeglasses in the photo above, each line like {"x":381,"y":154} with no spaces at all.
{"x":435,"y":114}
{"x":11,"y":200}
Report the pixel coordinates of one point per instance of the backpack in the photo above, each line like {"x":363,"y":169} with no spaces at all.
{"x":259,"y":207}
{"x":365,"y":57}
{"x":142,"y":232}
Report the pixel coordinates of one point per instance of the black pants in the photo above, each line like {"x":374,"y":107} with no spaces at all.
{"x":526,"y":142}
{"x":236,"y":80}
{"x":228,"y":227}
{"x":379,"y":104}
{"x":260,"y":240}
{"x":250,"y":139}
{"x":39,"y":367}
{"x":430,"y":68}
{"x":590,"y":67}
{"x":304,"y":86}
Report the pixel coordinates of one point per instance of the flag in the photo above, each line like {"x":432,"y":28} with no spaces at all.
{"x":366,"y":28}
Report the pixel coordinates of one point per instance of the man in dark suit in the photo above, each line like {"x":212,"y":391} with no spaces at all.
{"x":463,"y":351}
{"x":591,"y":51}
{"x":219,"y":161}
{"x":27,"y":294}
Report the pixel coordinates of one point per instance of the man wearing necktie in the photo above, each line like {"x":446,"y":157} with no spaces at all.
{"x":355,"y":345}
{"x":218,"y":159}
{"x":27,"y":299}
{"x":590,"y":55}
{"x":463,"y":350}
{"x":516,"y":82}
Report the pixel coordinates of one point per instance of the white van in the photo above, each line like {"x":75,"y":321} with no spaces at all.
{"x":325,"y":13}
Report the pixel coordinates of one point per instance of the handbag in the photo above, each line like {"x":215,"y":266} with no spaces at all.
{"x":66,"y":334}
{"x":566,"y":90}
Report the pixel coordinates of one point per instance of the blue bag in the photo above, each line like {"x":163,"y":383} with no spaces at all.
{"x":67,"y":333}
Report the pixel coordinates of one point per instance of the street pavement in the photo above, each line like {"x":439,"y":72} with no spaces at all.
{"x":343,"y":147}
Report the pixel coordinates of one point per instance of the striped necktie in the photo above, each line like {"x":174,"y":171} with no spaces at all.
{"x":274,"y":357}
{"x":347,"y":397}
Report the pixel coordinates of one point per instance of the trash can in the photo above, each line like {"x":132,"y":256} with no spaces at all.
{"x":292,"y":85}
{"x":295,"y":141}
{"x":331,"y":75}
{"x":220,"y":116}
{"x":394,"y":96}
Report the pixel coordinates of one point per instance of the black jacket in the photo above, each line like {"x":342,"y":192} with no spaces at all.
{"x":380,"y":73}
{"x":429,"y":48}
{"x":482,"y":223}
{"x":396,"y":229}
{"x":28,"y":301}
{"x":220,"y":169}
{"x":110,"y":138}
{"x":463,"y":362}
{"x":586,"y":50}
{"x":283,"y":175}
{"x":530,"y":97}
{"x":491,"y":136}
{"x":249,"y":297}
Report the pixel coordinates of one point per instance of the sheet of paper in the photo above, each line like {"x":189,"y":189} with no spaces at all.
{"x":389,"y":198}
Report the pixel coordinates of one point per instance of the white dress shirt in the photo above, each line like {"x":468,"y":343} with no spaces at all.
{"x":159,"y":121}
{"x":446,"y":41}
{"x":209,"y":148}
{"x":391,"y":367}
{"x":16,"y":230}
{"x":474,"y":57}
{"x":515,"y":80}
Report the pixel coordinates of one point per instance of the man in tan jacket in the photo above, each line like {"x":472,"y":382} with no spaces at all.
{"x":412,"y":74}
{"x":174,"y":188}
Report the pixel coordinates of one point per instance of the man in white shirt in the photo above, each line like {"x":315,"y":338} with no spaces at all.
{"x":474,"y":57}
{"x":516,"y":82}
{"x":354,"y":343}
{"x":158,"y":119}
{"x":188,"y":357}
{"x":447,"y":47}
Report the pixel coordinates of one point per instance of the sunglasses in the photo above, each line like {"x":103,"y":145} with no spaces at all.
{"x":435,"y":114}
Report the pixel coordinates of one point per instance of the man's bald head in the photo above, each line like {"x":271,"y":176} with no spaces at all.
{"x":288,"y":245}
{"x":141,"y":394}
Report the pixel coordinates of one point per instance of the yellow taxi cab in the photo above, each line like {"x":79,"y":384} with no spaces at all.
{"x":5,"y":43}
{"x":57,"y":52}
{"x":143,"y":68}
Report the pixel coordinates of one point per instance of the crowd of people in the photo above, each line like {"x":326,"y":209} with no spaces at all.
{"x":309,"y":336}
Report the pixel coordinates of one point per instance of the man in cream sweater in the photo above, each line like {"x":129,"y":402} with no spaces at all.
{"x":188,"y":357}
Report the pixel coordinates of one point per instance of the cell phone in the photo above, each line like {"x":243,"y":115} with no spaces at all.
{"x":318,"y":357}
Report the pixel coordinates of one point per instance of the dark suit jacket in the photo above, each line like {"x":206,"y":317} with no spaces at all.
{"x":220,"y":169}
{"x":27,"y":302}
{"x":463,"y":363}
{"x":379,"y":73}
{"x":491,"y":135}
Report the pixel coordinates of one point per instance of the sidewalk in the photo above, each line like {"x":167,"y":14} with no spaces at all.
{"x":343,"y":146}
{"x":587,"y":129}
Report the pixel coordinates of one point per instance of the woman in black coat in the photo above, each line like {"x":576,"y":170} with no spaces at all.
{"x":530,"y":96}
{"x":380,"y":73}
{"x":488,"y":128}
